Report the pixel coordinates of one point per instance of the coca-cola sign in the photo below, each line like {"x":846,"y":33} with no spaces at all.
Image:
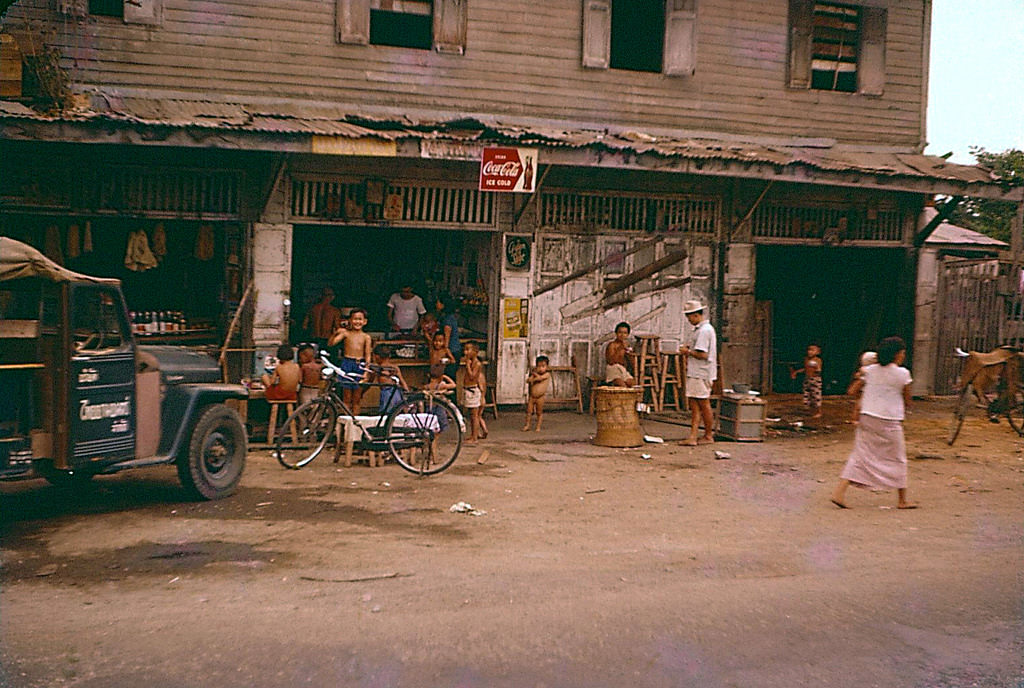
{"x":508,"y":169}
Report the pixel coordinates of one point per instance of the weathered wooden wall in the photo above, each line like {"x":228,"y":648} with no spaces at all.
{"x":522,"y":58}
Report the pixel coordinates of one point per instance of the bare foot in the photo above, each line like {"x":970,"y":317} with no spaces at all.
{"x":537,"y":429}
{"x":689,"y":443}
{"x":706,"y":440}
{"x":907,"y":505}
{"x":816,"y":415}
{"x":526,"y":427}
{"x":471,"y":440}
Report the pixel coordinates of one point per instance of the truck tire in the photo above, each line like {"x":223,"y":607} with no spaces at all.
{"x":216,"y":454}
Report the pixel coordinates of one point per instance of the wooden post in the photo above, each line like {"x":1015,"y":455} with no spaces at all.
{"x":222,"y":359}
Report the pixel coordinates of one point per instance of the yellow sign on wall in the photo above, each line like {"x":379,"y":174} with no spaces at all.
{"x":516,"y":317}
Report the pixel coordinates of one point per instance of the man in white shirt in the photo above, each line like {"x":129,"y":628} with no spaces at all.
{"x":405,"y":310}
{"x":700,"y":350}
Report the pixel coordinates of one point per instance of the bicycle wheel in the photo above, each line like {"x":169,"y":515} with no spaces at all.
{"x":1015,"y":413}
{"x":963,"y":402}
{"x":305,"y":434}
{"x":424,"y":434}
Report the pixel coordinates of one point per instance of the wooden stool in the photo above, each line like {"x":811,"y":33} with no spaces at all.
{"x":647,"y":366}
{"x":289,"y":408}
{"x":671,"y":379}
{"x":492,"y":404}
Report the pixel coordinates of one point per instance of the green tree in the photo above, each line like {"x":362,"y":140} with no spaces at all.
{"x":990,"y":217}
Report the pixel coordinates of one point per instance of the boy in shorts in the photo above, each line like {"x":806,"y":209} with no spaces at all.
{"x":473,"y":384}
{"x":355,"y":346}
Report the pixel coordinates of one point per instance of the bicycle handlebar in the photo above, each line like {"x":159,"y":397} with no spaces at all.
{"x":355,"y":376}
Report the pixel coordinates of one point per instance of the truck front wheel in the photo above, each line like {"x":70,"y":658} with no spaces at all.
{"x":216,"y":454}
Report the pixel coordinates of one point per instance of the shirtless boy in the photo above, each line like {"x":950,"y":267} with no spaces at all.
{"x":538,"y":382}
{"x":282,"y":383}
{"x":356,"y":347}
{"x":311,"y":369}
{"x":615,"y":371}
{"x":473,"y":385}
{"x":439,"y":351}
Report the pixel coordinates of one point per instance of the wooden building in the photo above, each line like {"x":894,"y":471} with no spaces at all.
{"x":764,"y":155}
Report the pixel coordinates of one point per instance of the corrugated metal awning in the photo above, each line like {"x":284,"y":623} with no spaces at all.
{"x":289,"y":118}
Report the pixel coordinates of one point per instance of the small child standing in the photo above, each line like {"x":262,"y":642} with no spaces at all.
{"x":311,"y":369}
{"x":473,"y":384}
{"x":812,"y":379}
{"x":355,"y":347}
{"x":538,"y":382}
{"x":391,"y":392}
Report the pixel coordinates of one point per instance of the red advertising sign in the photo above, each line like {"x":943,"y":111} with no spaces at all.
{"x":508,"y":169}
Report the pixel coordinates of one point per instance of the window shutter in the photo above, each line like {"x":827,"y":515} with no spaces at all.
{"x":352,"y":21}
{"x":73,"y":8}
{"x":871,"y":70}
{"x":143,"y":12}
{"x":597,"y":33}
{"x":450,"y":26}
{"x":801,"y":14}
{"x":681,"y":37}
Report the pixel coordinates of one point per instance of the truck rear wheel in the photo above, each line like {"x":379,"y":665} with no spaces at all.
{"x":216,"y":454}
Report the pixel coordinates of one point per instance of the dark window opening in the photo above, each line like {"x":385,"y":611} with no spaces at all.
{"x":638,"y":35}
{"x":402,"y":23}
{"x":107,"y":8}
{"x":835,"y":40}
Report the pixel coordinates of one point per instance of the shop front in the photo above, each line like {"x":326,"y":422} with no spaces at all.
{"x":173,"y":235}
{"x":365,"y":239}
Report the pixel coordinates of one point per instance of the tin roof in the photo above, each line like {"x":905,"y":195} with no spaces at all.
{"x":332,"y":120}
{"x":951,"y":234}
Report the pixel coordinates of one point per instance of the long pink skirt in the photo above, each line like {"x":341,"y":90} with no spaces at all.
{"x":879,"y":456}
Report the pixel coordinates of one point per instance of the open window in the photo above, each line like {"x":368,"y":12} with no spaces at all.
{"x":98,"y":323}
{"x":837,"y":46}
{"x":438,"y":25}
{"x":641,"y":35}
{"x":146,"y":12}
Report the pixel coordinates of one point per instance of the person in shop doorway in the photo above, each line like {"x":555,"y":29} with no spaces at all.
{"x":811,"y":371}
{"x":448,"y":325}
{"x":700,"y":351}
{"x":405,"y":309}
{"x":355,"y":347}
{"x":323,"y":319}
{"x":615,"y":371}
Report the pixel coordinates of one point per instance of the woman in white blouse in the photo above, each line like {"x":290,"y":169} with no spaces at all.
{"x":879,"y":456}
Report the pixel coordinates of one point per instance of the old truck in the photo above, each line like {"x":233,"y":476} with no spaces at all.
{"x":80,"y":397}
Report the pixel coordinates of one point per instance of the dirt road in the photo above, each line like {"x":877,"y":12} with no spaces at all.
{"x":591,"y":567}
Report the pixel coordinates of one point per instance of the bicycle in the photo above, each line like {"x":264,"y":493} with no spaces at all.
{"x":423,"y":433}
{"x":1005,"y":365}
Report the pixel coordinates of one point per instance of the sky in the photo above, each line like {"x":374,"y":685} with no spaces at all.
{"x":976,"y":80}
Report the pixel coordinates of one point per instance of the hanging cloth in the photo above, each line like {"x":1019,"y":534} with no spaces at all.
{"x":87,"y":238}
{"x":138,"y":257}
{"x":74,"y":244}
{"x":52,"y":246}
{"x":159,"y":241}
{"x":204,"y":243}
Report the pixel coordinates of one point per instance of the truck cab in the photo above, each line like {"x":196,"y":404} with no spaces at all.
{"x":82,"y":398}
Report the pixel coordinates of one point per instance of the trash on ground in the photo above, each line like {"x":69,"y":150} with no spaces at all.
{"x":645,"y":457}
{"x":465,"y":508}
{"x":722,"y":455}
{"x":653,"y":439}
{"x":600,"y":489}
{"x":484,"y":455}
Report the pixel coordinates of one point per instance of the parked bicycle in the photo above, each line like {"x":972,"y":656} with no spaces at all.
{"x":994,"y":381}
{"x":423,"y":433}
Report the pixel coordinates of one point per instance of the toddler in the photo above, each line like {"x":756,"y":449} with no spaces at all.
{"x":473,"y":385}
{"x":812,"y":379}
{"x":537,"y":382}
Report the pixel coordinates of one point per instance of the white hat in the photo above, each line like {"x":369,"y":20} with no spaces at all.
{"x":692,"y":306}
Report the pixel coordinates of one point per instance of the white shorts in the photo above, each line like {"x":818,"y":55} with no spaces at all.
{"x":698,"y":388}
{"x":472,"y":397}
